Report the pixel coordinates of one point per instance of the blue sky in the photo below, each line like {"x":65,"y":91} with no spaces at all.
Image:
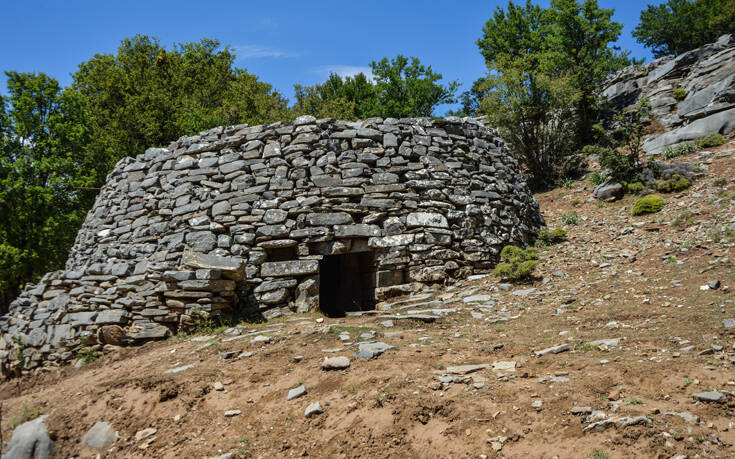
{"x":283,"y":42}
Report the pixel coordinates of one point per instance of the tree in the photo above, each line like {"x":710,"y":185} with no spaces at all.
{"x":399,"y":88}
{"x":43,"y":178}
{"x":406,"y":89}
{"x":546,"y":67}
{"x":678,"y":26}
{"x":146,"y":95}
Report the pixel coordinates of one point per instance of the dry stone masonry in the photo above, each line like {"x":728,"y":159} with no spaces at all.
{"x":273,"y":219}
{"x":707,"y":77}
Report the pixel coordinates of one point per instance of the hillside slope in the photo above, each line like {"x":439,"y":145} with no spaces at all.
{"x":638,"y":283}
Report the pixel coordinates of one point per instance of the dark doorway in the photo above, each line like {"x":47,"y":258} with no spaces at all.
{"x":346,"y":283}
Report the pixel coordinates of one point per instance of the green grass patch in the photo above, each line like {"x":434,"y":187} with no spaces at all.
{"x":28,"y":414}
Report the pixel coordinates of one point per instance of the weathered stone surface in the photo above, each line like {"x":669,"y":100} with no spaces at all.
{"x":100,"y":436}
{"x":335,"y":363}
{"x":245,"y":215}
{"x":30,"y":440}
{"x":610,"y":190}
{"x":290,"y":268}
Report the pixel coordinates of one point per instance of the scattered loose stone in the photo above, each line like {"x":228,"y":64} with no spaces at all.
{"x":714,"y":285}
{"x":313,"y":409}
{"x":145,"y":433}
{"x":99,"y":436}
{"x":387,"y":323}
{"x":30,"y":440}
{"x":728,"y":323}
{"x":232,"y":413}
{"x":179,"y":369}
{"x":553,"y":350}
{"x":712,"y":396}
{"x":335,"y":363}
{"x":371,"y":350}
{"x":504,"y":366}
{"x":260,"y":339}
{"x":466,"y":369}
{"x":218,"y":386}
{"x":296,"y":392}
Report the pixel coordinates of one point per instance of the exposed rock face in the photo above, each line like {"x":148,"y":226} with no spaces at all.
{"x":246,"y":217}
{"x":706,"y":74}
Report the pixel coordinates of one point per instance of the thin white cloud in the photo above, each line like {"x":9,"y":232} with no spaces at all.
{"x":344,"y":70}
{"x":259,"y":52}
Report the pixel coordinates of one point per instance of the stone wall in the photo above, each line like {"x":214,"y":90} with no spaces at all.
{"x":706,"y":74}
{"x":242,"y":217}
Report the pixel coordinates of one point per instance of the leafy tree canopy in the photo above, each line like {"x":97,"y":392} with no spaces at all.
{"x":677,"y":26}
{"x":400,"y":87}
{"x":147,"y":95}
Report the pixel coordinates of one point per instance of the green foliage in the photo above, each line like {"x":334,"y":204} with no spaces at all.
{"x":720,"y":183}
{"x":649,"y":204}
{"x":147,"y":95}
{"x":87,"y":355}
{"x":677,"y":26}
{"x":599,"y":454}
{"x":675,"y":183}
{"x":680,"y":94}
{"x":43,"y":175}
{"x":679,"y":150}
{"x":29,"y":414}
{"x":401,"y":87}
{"x":516,"y":263}
{"x":625,"y":166}
{"x":597,"y":177}
{"x":633,"y":401}
{"x":206,"y":324}
{"x":682,"y":219}
{"x":546,"y":67}
{"x":570,"y":219}
{"x":635,"y":187}
{"x":711,"y":140}
{"x":554,"y":236}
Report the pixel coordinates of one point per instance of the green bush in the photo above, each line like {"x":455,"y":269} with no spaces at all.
{"x":570,"y":219}
{"x":680,"y":94}
{"x":675,"y":183}
{"x":635,"y":187}
{"x":516,"y":263}
{"x":649,"y":204}
{"x":712,"y":140}
{"x":597,"y":178}
{"x":683,"y":149}
{"x":552,"y":236}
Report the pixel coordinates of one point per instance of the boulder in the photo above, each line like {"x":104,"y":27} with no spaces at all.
{"x":30,"y":441}
{"x":610,"y":190}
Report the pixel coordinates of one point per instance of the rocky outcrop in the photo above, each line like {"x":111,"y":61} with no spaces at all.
{"x":704,"y":81}
{"x":255,"y":219}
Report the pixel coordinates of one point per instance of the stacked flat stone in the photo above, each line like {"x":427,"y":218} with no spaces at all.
{"x":240,"y":216}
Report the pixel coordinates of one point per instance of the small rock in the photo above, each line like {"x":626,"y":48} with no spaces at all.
{"x":335,"y":363}
{"x":145,"y":433}
{"x":218,"y":386}
{"x":179,"y":369}
{"x":371,"y":350}
{"x":296,"y":392}
{"x":232,"y":413}
{"x":554,"y":350}
{"x":298,"y":358}
{"x":713,"y":396}
{"x":260,"y":339}
{"x":504,"y":366}
{"x":387,"y":323}
{"x":714,"y":285}
{"x":728,"y":323}
{"x":465,"y":369}
{"x":99,"y":436}
{"x":313,"y":409}
{"x":30,"y":440}
{"x":505,"y":287}
{"x":538,"y":404}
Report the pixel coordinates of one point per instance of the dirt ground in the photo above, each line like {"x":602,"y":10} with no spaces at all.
{"x":637,"y":279}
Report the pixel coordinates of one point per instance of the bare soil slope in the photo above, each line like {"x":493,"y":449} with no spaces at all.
{"x":637,"y":282}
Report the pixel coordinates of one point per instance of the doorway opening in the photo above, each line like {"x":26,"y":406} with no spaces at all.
{"x":346,"y":283}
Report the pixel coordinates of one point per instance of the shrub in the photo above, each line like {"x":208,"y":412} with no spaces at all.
{"x":516,"y":263}
{"x":635,"y":187}
{"x":29,"y":414}
{"x":649,"y":204}
{"x":675,"y":183}
{"x":552,"y":236}
{"x":87,"y":355}
{"x":680,"y":94}
{"x":597,"y":177}
{"x":712,"y":140}
{"x":570,"y":219}
{"x":625,"y":166}
{"x":720,"y":183}
{"x":683,"y":149}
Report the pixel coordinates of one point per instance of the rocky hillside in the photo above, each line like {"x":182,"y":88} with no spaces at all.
{"x":692,"y":95}
{"x":623,"y":346}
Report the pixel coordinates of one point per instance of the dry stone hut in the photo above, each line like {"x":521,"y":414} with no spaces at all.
{"x":274,"y":219}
